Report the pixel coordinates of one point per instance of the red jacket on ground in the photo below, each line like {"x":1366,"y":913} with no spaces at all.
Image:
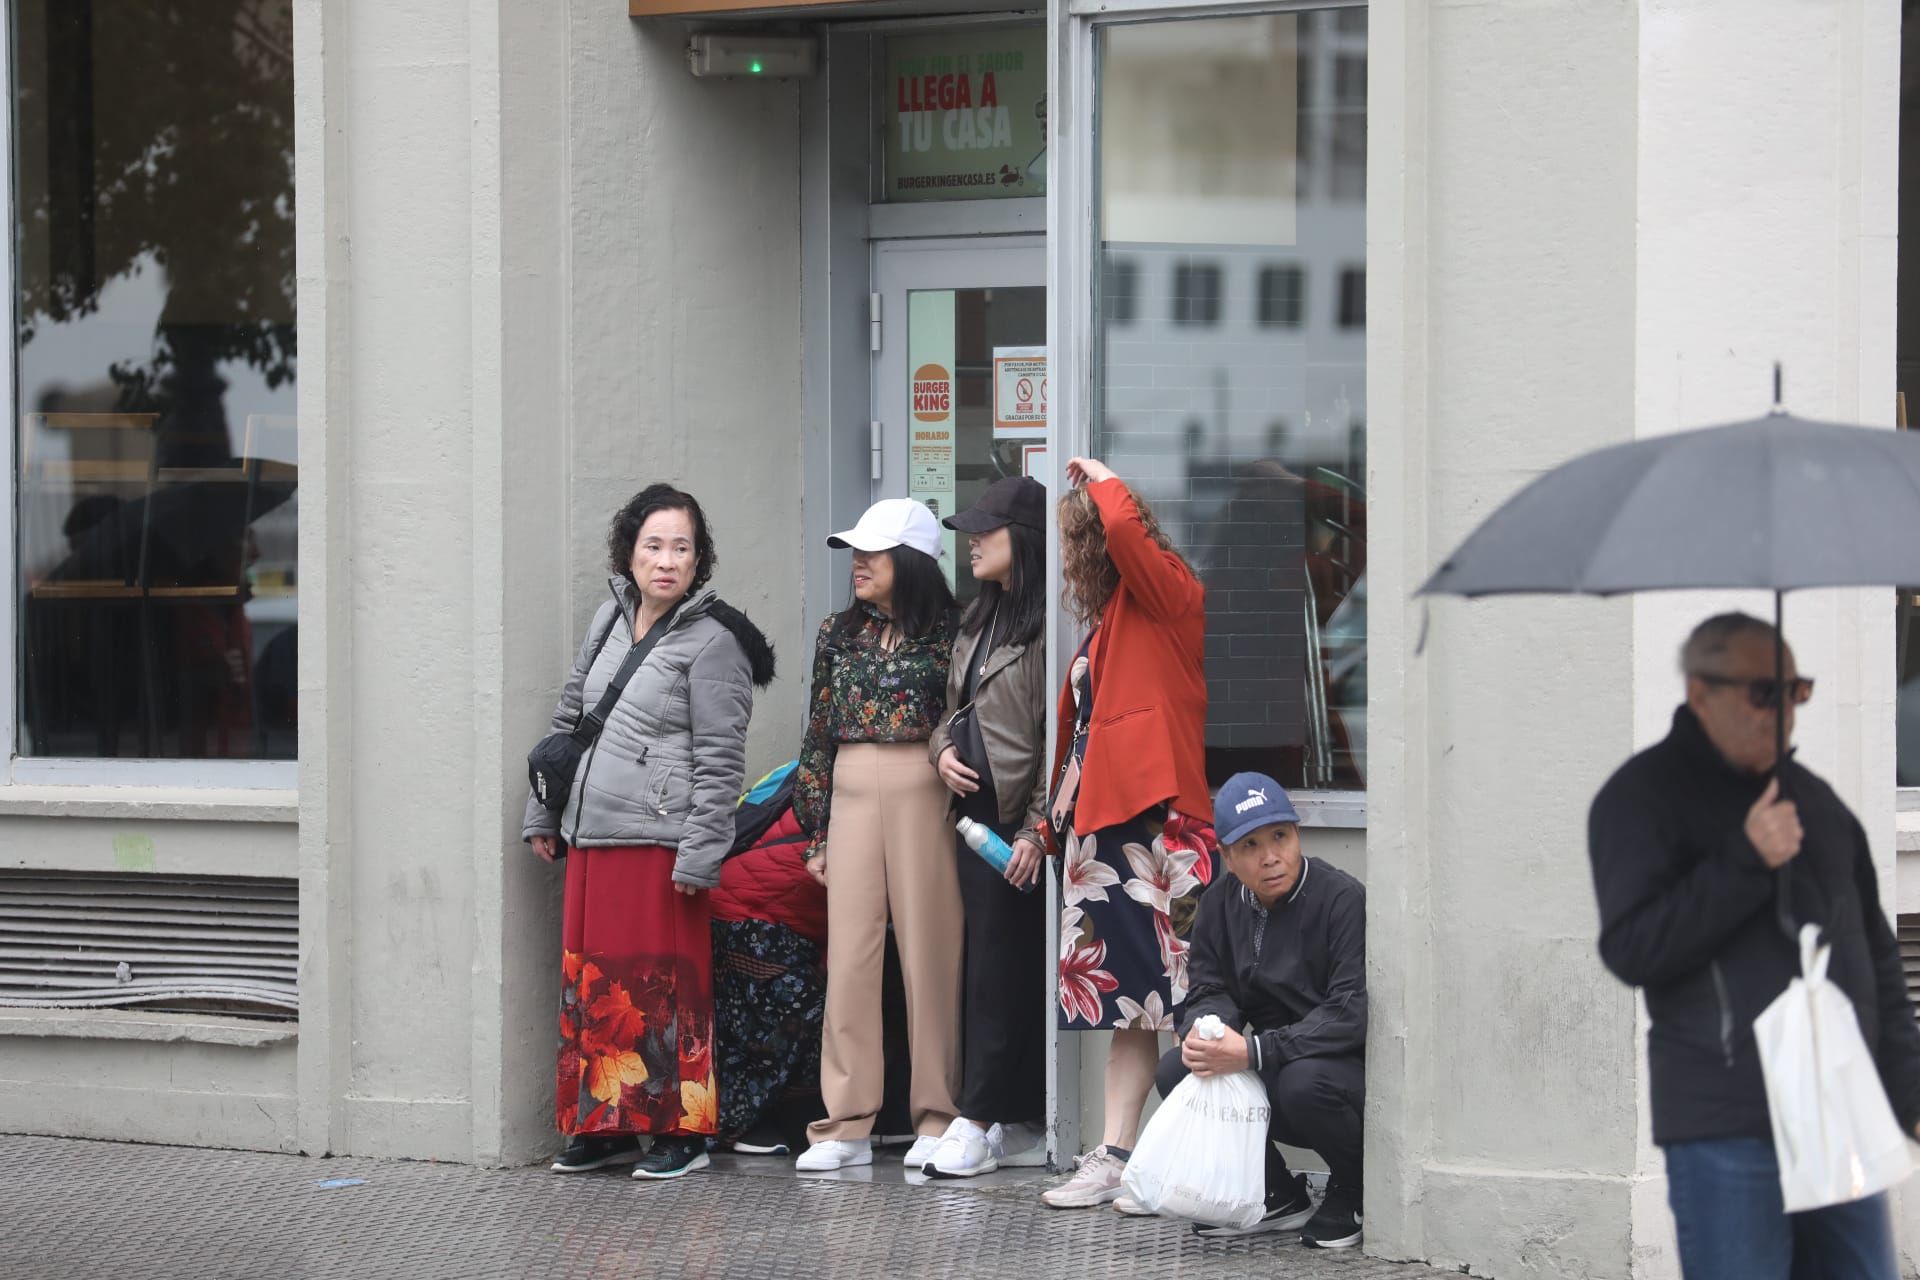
{"x":1146,"y":742}
{"x":769,"y":882}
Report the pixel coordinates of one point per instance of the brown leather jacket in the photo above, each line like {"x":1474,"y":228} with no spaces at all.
{"x":1011,"y":706}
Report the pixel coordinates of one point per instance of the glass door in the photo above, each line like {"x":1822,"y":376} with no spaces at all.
{"x":959,"y":374}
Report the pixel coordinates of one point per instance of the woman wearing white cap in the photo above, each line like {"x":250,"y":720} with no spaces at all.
{"x":872,"y":803}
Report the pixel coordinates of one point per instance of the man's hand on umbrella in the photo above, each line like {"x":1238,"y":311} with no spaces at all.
{"x":1773,"y":827}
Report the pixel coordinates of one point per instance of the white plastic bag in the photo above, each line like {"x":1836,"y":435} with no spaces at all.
{"x":1203,"y":1155}
{"x":1833,"y":1132}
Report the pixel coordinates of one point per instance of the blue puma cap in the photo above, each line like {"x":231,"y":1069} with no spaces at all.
{"x":1247,"y":802}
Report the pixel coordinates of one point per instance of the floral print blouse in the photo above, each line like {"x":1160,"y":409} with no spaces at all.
{"x":863,"y":693}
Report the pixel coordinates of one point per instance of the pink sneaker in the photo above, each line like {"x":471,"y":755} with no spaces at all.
{"x":1095,"y":1181}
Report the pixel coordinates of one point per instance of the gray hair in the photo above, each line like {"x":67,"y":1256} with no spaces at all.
{"x":1708,"y":644}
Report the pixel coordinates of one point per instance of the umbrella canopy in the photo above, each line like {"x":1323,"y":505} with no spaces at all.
{"x":1776,"y":503}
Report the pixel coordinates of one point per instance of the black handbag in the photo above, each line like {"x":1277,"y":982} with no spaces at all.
{"x":963,"y":726}
{"x":555,"y":759}
{"x":963,"y":729}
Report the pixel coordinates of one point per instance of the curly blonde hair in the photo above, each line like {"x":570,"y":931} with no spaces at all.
{"x":1086,"y":570}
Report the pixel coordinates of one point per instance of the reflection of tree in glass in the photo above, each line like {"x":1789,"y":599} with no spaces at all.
{"x":165,"y":138}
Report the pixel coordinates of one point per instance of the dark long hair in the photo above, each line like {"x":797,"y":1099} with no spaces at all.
{"x":922,"y":600}
{"x":1025,"y":601}
{"x":627,"y":522}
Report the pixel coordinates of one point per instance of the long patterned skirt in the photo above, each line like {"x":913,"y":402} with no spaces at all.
{"x":1128,"y":895}
{"x":770,"y":995}
{"x":636,"y":1011}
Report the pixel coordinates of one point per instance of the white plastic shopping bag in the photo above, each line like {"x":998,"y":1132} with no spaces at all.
{"x":1203,"y":1155}
{"x":1833,"y":1132}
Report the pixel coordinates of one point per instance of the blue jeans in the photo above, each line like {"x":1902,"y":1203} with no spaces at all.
{"x":1725,"y":1196}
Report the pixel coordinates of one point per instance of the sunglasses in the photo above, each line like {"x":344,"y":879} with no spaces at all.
{"x":1765,"y":694}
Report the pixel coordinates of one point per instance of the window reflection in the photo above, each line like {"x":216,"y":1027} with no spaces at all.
{"x":1231,"y":174}
{"x":155,"y":363}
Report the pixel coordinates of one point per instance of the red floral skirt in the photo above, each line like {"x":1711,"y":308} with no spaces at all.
{"x":636,"y":1011}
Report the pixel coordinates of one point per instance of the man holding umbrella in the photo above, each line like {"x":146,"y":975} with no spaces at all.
{"x":1711,"y":849}
{"x":1687,"y":843}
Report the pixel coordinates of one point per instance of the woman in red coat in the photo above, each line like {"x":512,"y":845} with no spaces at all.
{"x":1130,"y":806}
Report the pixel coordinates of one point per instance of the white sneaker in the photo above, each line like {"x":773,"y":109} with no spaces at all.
{"x":1022,"y":1146}
{"x":965,"y":1151}
{"x":823,"y":1157}
{"x":1096,"y":1180}
{"x":1133,"y":1208}
{"x":921,"y":1151}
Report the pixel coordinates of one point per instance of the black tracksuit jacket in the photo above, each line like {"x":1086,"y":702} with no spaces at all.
{"x":1687,"y":913}
{"x":1305,"y":991}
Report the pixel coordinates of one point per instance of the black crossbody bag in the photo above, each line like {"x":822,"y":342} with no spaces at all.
{"x":555,"y":759}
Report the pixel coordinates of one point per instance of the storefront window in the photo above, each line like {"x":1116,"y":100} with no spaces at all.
{"x":154,"y":362}
{"x":1231,"y":391}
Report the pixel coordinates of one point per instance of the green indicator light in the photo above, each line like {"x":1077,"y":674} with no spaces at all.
{"x":754,"y":66}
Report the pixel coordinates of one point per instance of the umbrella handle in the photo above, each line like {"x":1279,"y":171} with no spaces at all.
{"x":1783,"y":874}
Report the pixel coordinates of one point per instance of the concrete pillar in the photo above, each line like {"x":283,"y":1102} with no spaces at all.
{"x":521,"y":607}
{"x":1589,"y":222}
{"x":550,"y":268}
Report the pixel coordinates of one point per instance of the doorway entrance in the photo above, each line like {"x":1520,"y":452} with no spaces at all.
{"x":959,"y":373}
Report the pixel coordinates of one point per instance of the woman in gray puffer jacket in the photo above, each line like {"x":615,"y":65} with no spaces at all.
{"x":647,"y":824}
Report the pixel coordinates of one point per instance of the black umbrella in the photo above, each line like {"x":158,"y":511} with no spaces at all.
{"x":1776,"y":503}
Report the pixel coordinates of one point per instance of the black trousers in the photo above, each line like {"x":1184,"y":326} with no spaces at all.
{"x":1003,"y":1003}
{"x":1316,"y":1104}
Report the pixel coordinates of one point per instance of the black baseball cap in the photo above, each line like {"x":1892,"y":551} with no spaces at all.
{"x":1008,"y":500}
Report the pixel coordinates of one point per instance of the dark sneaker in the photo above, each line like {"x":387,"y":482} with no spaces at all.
{"x":671,"y":1157}
{"x":1337,"y":1225}
{"x":761,"y":1142}
{"x":1289,"y":1206}
{"x":597,"y":1151}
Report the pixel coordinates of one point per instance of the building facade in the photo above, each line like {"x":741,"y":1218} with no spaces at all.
{"x":282,"y":641}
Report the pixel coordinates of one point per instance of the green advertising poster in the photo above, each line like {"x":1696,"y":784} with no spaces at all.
{"x":967,"y":115}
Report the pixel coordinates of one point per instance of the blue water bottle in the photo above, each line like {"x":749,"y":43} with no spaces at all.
{"x":999,"y":855}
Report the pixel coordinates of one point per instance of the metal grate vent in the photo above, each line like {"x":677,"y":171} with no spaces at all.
{"x":171,"y":943}
{"x":1909,"y":930}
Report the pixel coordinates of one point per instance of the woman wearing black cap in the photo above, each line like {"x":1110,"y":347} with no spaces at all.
{"x":990,"y":750}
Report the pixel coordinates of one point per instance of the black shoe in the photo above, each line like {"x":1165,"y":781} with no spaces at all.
{"x":1288,"y":1207}
{"x":1337,"y":1225}
{"x":671,"y":1157}
{"x":761,"y":1141}
{"x":597,"y":1151}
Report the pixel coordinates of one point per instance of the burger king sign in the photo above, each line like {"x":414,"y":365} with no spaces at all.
{"x":932,"y":393}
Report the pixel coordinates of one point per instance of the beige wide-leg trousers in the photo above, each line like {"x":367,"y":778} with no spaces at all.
{"x":889,"y":850}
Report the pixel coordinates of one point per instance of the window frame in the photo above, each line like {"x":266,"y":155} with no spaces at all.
{"x":1073,"y":247}
{"x":117,"y":771}
{"x":1264,"y":292}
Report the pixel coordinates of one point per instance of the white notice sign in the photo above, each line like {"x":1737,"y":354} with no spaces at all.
{"x":1019,"y":392}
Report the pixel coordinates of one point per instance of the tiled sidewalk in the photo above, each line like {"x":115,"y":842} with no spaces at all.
{"x":93,"y":1209}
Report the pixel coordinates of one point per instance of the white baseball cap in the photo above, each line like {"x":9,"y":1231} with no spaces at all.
{"x":890,"y":523}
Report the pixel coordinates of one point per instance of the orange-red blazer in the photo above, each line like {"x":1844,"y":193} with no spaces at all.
{"x":1146,"y":742}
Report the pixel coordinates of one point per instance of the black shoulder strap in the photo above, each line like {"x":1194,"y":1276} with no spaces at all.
{"x":595,"y":720}
{"x":613,"y":620}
